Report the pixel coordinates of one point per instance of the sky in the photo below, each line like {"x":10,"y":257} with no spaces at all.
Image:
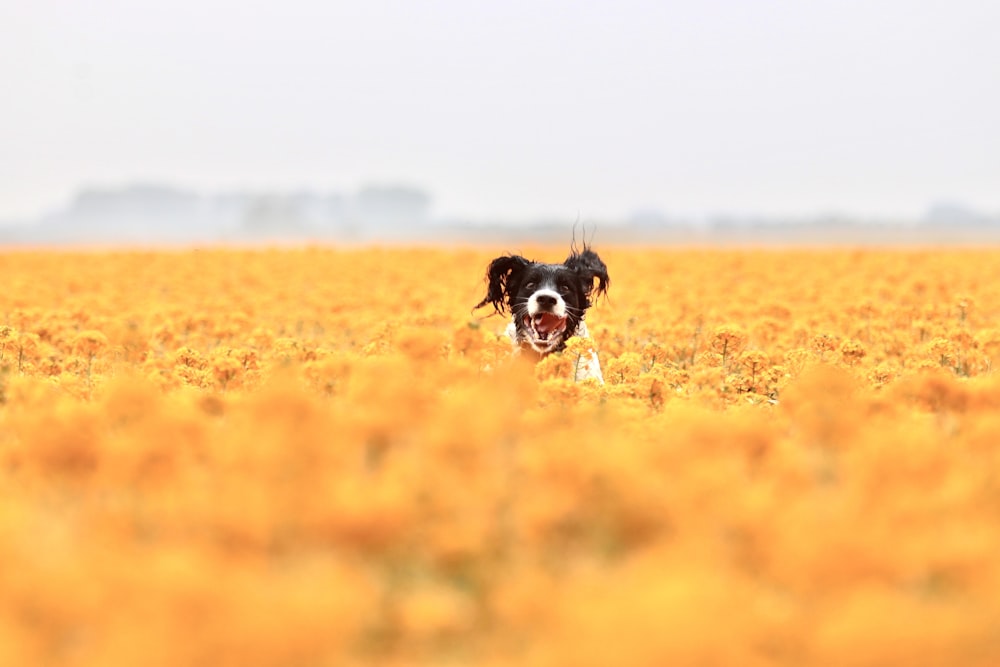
{"x":510,"y":110}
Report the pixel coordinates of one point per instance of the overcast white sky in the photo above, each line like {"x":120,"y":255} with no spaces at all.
{"x":510,"y":109}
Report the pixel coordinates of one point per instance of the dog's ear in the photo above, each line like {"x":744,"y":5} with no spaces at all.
{"x":501,"y":274}
{"x":589,"y":267}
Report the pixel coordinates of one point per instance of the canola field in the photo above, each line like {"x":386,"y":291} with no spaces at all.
{"x":324,"y":457}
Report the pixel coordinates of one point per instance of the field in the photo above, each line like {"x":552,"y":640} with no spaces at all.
{"x":324,"y":457}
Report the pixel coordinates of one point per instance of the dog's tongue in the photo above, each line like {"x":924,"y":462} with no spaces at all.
{"x":546,"y":322}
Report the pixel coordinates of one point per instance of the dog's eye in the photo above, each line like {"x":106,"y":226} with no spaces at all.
{"x":529,"y":285}
{"x":564,"y":289}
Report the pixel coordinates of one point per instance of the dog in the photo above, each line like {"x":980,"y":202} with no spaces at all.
{"x":548,"y":302}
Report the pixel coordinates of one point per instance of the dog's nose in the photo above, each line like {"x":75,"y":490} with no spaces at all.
{"x":546,"y":300}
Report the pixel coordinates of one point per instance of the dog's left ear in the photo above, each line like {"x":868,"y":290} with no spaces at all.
{"x":501,"y":274}
{"x":589,"y":267}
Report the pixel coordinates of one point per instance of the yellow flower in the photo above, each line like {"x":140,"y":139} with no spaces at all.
{"x":823,"y":342}
{"x":225,"y":369}
{"x":943,"y":351}
{"x":186,"y":356}
{"x":728,"y":340}
{"x":89,"y":343}
{"x":852,"y":352}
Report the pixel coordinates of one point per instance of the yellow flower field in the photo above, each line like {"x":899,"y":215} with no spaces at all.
{"x":324,"y":457}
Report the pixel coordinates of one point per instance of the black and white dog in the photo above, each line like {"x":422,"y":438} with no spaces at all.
{"x":548,"y":302}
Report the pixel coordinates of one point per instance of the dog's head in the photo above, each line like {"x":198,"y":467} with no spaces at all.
{"x":547,"y":301}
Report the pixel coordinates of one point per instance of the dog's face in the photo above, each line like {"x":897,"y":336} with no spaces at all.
{"x":547,"y":301}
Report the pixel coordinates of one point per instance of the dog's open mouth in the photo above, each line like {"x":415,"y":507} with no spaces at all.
{"x":544,"y":326}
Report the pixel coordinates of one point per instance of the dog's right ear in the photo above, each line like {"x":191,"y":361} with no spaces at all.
{"x":589,"y":267}
{"x":502,"y":273}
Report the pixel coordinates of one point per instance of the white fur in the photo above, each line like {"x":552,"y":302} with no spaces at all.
{"x":559,"y":310}
{"x":586,"y":368}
